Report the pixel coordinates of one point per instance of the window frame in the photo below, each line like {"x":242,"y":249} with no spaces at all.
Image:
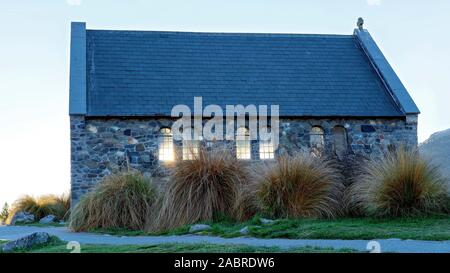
{"x":243,"y":146}
{"x":266,"y":148}
{"x":345,"y":140}
{"x":166,"y":149}
{"x":190,"y":148}
{"x":317,"y":147}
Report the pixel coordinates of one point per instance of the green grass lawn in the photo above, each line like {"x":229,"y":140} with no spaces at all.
{"x":37,"y":224}
{"x":57,"y":246}
{"x":435,"y":228}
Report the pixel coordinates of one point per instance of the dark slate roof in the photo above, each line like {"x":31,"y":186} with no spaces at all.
{"x":146,"y":73}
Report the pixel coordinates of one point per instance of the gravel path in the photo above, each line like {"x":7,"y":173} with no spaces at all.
{"x":386,"y":245}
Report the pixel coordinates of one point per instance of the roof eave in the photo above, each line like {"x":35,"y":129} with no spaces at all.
{"x":388,"y":76}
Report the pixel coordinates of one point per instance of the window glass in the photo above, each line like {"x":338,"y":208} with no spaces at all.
{"x":166,"y":152}
{"x":243,"y":149}
{"x":317,"y":140}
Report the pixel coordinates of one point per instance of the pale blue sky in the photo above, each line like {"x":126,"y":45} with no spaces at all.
{"x":34,"y":61}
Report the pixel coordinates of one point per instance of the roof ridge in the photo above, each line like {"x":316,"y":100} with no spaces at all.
{"x":207,"y":33}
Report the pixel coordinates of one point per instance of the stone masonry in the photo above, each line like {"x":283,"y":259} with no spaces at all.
{"x":100,"y":146}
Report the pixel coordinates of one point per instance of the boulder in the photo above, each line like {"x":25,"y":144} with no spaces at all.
{"x":265,"y":221}
{"x":48,"y":219}
{"x":27,"y":242}
{"x":22,"y":217}
{"x":244,"y":231}
{"x":199,"y":227}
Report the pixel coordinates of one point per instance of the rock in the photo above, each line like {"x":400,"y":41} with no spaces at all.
{"x":92,"y":129}
{"x":244,"y":231}
{"x":265,"y":221}
{"x":140,"y":148}
{"x":34,"y":239}
{"x":199,"y":227}
{"x":22,"y":217}
{"x":132,"y":140}
{"x":48,"y":219}
{"x":115,"y":128}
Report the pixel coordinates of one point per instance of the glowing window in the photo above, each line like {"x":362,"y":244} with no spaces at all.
{"x":317,"y":140}
{"x":166,"y":152}
{"x":243,"y":150}
{"x":266,"y":148}
{"x":191,"y":146}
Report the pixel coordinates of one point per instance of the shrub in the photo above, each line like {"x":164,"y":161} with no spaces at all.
{"x":350,"y":167}
{"x":4,"y":213}
{"x":246,"y":205}
{"x":201,"y":189}
{"x":124,"y":200}
{"x":400,"y":184}
{"x":300,"y":186}
{"x":42,"y":206}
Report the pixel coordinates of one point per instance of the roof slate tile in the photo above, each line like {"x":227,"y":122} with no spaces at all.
{"x":146,"y":73}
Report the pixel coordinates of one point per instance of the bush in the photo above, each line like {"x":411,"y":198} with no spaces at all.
{"x":350,"y":167}
{"x":202,"y":189}
{"x":124,"y":200}
{"x":300,"y":186}
{"x":400,"y":184}
{"x":4,"y":213}
{"x":246,"y":205}
{"x":42,"y":206}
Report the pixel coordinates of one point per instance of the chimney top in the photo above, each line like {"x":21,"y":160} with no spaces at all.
{"x":360,"y":23}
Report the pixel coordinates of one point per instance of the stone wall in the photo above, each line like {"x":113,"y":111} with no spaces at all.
{"x":101,"y":146}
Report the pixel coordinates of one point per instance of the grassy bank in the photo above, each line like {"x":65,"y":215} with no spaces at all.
{"x":436,"y":228}
{"x":60,"y":247}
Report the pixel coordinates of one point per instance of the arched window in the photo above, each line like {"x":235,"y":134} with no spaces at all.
{"x":339,"y":141}
{"x":191,"y":145}
{"x":317,"y":140}
{"x":266,"y":148}
{"x":243,"y":149}
{"x":166,"y":152}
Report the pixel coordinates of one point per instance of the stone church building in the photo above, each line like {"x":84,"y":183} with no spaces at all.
{"x":337,"y":94}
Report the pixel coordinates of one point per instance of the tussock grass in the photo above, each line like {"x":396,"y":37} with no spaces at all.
{"x":246,"y":205}
{"x":202,"y":189}
{"x":401,"y":184}
{"x":300,"y":186}
{"x":42,"y":206}
{"x":123,"y":200}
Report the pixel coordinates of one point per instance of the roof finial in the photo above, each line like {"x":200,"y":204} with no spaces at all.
{"x":360,"y":23}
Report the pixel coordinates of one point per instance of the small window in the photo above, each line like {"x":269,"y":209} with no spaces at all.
{"x":191,"y":146}
{"x":166,"y":152}
{"x":317,"y":140}
{"x":266,"y":148}
{"x":340,"y":141}
{"x":243,"y":148}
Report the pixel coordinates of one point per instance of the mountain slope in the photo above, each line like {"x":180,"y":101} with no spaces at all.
{"x":437,"y":149}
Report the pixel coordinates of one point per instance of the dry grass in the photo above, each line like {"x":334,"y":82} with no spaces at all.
{"x":300,"y":186}
{"x":246,"y":205}
{"x":202,"y":189}
{"x":42,"y":206}
{"x":123,"y":200}
{"x":401,"y":184}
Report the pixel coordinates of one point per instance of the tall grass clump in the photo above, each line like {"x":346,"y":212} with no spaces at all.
{"x":401,"y":184}
{"x":123,"y":200}
{"x":300,"y":186}
{"x":202,"y":189}
{"x":41,"y":206}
